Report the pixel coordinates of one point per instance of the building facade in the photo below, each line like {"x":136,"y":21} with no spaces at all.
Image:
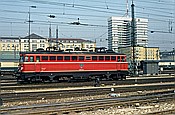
{"x":16,"y":44}
{"x":141,"y":54}
{"x":119,"y":32}
{"x":73,"y":44}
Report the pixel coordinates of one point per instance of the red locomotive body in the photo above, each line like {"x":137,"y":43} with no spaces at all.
{"x":54,"y":65}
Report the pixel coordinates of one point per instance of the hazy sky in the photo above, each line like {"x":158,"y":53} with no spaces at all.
{"x":93,"y":13}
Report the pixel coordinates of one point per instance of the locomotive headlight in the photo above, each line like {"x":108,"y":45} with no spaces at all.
{"x":21,"y":68}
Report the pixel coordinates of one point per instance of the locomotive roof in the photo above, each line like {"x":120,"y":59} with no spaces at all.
{"x":58,"y":52}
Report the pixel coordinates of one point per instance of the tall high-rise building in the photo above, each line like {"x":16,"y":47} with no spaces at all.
{"x":119,"y":32}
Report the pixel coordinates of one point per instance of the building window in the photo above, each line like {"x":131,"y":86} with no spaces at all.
{"x":34,"y":46}
{"x":25,"y":45}
{"x":25,"y":40}
{"x":42,"y":41}
{"x":34,"y":41}
{"x":42,"y":45}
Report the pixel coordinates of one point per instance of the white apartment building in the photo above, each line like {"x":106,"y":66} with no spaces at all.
{"x":72,"y":43}
{"x":119,"y":32}
{"x":17,"y":44}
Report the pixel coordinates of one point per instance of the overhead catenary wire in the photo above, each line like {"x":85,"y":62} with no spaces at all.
{"x":160,"y":14}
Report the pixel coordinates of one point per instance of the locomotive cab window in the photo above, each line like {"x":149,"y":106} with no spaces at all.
{"x":44,"y":58}
{"x":37,"y":58}
{"x":26,"y":59}
{"x":31,"y":58}
{"x":22,"y":59}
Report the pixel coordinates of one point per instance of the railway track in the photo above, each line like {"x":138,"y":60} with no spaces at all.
{"x":14,"y":86}
{"x":79,"y":106}
{"x":35,"y":95}
{"x":165,"y":112}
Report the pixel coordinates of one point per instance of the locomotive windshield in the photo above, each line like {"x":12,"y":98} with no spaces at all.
{"x":21,"y":58}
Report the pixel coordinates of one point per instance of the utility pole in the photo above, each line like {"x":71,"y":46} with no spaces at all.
{"x":29,"y":23}
{"x":50,"y":35}
{"x":57,"y":37}
{"x":174,"y":60}
{"x":50,"y":30}
{"x":133,"y":38}
{"x":127,"y":9}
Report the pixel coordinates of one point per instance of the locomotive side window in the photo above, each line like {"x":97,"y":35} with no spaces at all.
{"x":94,"y":57}
{"x":37,"y":58}
{"x":66,"y":57}
{"x":88,"y":58}
{"x":31,"y":58}
{"x":74,"y":58}
{"x":26,"y":59}
{"x":123,"y":59}
{"x":52,"y":57}
{"x":113,"y":58}
{"x":107,"y":58}
{"x":118,"y":58}
{"x":59,"y":57}
{"x":45,"y":58}
{"x":81,"y":57}
{"x":101,"y":57}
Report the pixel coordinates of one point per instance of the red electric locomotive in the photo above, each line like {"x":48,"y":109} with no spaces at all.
{"x":59,"y":65}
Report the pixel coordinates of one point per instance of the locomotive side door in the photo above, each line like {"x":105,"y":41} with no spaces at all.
{"x":37,"y":64}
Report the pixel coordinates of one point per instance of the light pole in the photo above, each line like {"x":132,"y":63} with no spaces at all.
{"x":133,"y":38}
{"x":174,"y":60}
{"x":50,"y":30}
{"x":29,"y":23}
